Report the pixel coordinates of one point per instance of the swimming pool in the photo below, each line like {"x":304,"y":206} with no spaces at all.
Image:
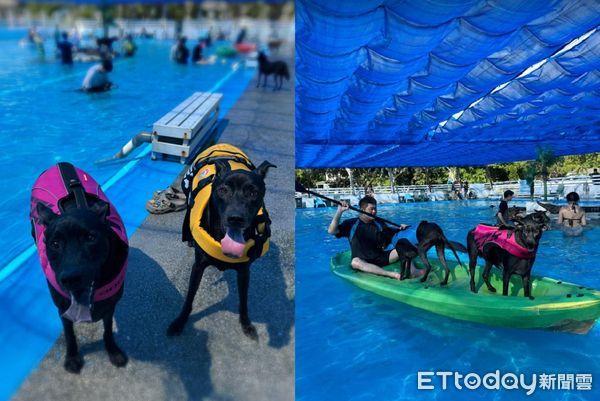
{"x":354,"y":345}
{"x":44,"y":121}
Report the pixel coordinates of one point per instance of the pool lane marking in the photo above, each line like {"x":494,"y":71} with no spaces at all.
{"x":9,"y":268}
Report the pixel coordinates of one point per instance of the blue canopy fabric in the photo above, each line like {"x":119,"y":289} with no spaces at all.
{"x":378,"y":82}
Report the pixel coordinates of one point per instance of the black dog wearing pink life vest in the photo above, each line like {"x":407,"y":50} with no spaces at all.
{"x":513,"y":250}
{"x":82,"y":245}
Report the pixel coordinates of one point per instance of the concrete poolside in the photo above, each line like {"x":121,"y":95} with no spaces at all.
{"x":212,"y":359}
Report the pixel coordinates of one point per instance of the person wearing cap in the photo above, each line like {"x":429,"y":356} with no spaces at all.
{"x":96,"y":79}
{"x":572,"y":216}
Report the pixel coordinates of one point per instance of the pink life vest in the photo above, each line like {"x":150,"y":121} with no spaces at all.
{"x":504,"y":238}
{"x":50,"y":189}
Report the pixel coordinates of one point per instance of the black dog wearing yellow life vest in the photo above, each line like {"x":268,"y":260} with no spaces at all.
{"x":227,"y":221}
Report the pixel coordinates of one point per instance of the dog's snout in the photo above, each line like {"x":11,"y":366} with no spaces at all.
{"x":235,"y":220}
{"x":71,"y":280}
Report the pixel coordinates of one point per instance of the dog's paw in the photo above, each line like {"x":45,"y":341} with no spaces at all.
{"x":119,"y":359}
{"x":73,"y":364}
{"x":175,"y":328}
{"x":532,"y":298}
{"x":250,"y":331}
{"x":444,"y":283}
{"x":491,"y":289}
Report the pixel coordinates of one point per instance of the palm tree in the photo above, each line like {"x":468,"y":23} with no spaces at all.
{"x":530,"y":173}
{"x":544,"y":160}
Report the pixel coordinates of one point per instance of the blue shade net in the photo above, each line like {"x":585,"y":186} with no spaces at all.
{"x":381,"y":83}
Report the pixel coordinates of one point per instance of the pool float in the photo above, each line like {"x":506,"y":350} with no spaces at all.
{"x":557,"y":305}
{"x":245,"y":47}
{"x":226,"y":51}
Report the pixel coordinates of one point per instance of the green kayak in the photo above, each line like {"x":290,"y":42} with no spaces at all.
{"x":557,"y":305}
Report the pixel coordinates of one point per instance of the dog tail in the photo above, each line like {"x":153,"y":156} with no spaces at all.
{"x":455,"y":246}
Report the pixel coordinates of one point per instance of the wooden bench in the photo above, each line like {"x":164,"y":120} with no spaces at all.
{"x":179,"y":131}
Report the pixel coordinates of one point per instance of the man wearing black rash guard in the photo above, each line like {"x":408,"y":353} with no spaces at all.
{"x":368,"y":239}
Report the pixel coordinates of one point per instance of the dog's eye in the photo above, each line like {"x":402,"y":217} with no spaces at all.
{"x":90,"y":238}
{"x":223,"y":191}
{"x":253,"y":194}
{"x":55,"y":244}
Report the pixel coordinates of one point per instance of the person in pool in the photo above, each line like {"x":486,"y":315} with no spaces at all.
{"x":179,"y":52}
{"x":197,"y":51}
{"x":65,"y":49}
{"x":572,"y":216}
{"x":368,"y":238}
{"x":96,"y":79}
{"x":502,"y":215}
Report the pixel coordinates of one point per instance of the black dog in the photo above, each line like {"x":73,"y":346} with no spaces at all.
{"x":406,"y":253}
{"x":527,"y":234}
{"x":428,"y":236}
{"x":85,"y":254}
{"x":279,"y":69}
{"x":236,"y":198}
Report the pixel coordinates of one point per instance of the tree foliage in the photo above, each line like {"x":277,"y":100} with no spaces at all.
{"x":546,"y":164}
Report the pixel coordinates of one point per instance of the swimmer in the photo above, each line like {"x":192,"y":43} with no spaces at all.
{"x":572,"y":216}
{"x":96,"y":79}
{"x":128,"y":46}
{"x":66,"y":49}
{"x":502,"y":214}
{"x":197,"y":52}
{"x":179,"y":52}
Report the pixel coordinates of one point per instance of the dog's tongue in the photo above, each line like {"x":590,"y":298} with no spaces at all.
{"x":233,"y":243}
{"x":79,"y":311}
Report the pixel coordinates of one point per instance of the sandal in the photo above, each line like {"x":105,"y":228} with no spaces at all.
{"x":170,"y":193}
{"x":163,"y":205}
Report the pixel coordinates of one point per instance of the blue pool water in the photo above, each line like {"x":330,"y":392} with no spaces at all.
{"x":354,"y":345}
{"x":44,"y":121}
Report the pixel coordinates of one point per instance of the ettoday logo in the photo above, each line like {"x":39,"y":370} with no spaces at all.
{"x":506,"y":381}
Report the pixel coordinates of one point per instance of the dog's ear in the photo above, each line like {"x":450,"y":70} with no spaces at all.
{"x":101,"y":209}
{"x":263,"y":168}
{"x":45,"y":214}
{"x":222,"y":167}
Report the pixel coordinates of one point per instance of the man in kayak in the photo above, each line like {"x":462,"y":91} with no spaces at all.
{"x":368,"y":238}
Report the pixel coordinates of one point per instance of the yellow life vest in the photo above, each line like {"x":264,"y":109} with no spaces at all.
{"x":198,"y":189}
